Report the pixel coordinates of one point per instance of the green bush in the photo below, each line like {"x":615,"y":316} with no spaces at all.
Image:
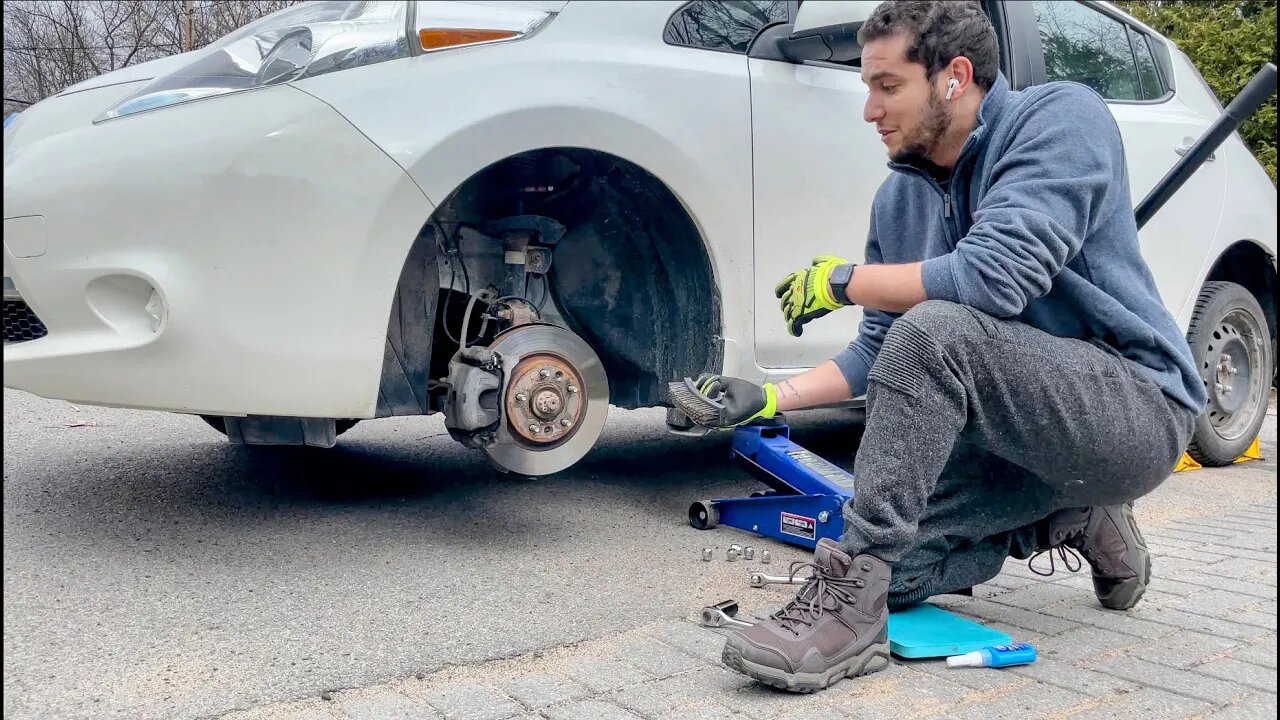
{"x":1228,"y":40}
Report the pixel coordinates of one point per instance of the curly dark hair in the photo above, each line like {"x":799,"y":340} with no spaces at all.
{"x":939,"y":32}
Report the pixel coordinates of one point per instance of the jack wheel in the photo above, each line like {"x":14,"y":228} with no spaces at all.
{"x":703,"y":515}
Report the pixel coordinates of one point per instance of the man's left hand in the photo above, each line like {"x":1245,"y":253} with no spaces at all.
{"x":806,"y":294}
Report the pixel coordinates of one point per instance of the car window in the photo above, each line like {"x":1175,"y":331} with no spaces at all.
{"x":725,"y":25}
{"x":1085,"y":46}
{"x":1148,"y":76}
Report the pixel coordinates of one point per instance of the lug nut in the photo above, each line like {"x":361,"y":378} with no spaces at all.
{"x":706,"y":554}
{"x":765,"y":557}
{"x":732,"y":555}
{"x":748,"y":553}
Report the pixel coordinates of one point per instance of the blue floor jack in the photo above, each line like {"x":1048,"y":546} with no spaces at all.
{"x":803,"y":505}
{"x":805,"y":496}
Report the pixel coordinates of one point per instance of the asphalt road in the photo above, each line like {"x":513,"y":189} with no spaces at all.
{"x":153,"y":570}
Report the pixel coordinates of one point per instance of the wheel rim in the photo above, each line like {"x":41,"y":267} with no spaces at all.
{"x":1233,"y":374}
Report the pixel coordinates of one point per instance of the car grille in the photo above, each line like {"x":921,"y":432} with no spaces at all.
{"x":20,"y":323}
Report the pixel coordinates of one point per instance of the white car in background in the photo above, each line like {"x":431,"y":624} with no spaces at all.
{"x":299,"y":226}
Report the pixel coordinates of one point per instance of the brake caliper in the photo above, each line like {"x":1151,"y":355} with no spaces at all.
{"x":471,"y":411}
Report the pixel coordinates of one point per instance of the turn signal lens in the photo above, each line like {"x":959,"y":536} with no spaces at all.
{"x":444,"y":25}
{"x":437,"y":38}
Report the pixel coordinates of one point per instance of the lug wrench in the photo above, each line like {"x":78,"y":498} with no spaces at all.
{"x":759,"y":580}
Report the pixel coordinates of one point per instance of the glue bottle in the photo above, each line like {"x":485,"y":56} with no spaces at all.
{"x":996,"y":656}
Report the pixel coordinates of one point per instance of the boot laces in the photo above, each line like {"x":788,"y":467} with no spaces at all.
{"x":822,"y":593}
{"x":1062,"y":550}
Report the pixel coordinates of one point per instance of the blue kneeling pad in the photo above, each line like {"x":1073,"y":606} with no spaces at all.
{"x":925,"y":631}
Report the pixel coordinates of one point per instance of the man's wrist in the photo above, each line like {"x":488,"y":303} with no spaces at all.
{"x":770,"y":400}
{"x":838,"y":283}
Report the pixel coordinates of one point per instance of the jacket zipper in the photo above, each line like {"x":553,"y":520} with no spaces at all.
{"x":953,"y":238}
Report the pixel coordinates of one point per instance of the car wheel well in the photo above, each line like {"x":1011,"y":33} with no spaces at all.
{"x":631,"y":275}
{"x":1250,"y":265}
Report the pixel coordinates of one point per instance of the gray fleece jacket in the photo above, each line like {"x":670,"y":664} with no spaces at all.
{"x":1034,"y":223}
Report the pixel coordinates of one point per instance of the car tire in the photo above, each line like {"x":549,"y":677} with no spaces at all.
{"x":217,"y":423}
{"x":1233,"y":352}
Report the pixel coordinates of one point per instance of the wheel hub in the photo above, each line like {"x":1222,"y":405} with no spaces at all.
{"x":543,"y":399}
{"x":1232,"y":382}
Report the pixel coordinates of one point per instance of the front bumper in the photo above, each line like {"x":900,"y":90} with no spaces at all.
{"x":233,"y":256}
{"x":20,"y":322}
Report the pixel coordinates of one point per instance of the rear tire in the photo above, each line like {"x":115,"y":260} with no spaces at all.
{"x":1233,"y":352}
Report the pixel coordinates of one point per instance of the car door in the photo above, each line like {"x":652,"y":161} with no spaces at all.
{"x":816,"y":169}
{"x":1129,"y":66}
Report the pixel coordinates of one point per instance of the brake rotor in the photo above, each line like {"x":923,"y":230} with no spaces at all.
{"x":555,"y":398}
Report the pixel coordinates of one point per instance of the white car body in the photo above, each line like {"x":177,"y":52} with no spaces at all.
{"x":274,"y":224}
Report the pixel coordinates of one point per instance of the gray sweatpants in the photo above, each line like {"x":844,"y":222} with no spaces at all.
{"x":978,"y":428}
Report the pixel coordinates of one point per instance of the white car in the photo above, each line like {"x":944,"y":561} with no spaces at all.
{"x":299,"y":226}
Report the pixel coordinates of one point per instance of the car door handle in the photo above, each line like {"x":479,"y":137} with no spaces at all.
{"x":1184,"y":149}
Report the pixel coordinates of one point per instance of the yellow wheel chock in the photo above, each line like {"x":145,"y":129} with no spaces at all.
{"x":1254,"y":452}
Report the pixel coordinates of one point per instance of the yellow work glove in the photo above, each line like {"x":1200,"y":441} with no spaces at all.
{"x":806,"y":294}
{"x":744,"y":401}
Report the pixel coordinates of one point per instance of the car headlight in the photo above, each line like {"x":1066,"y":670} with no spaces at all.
{"x":315,"y":38}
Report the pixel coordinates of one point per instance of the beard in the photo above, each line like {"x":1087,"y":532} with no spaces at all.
{"x":920,"y":142}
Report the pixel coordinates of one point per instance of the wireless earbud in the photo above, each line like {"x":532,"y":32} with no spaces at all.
{"x":951,"y":87}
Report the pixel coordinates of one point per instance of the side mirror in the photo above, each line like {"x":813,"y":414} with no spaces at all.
{"x":827,"y":30}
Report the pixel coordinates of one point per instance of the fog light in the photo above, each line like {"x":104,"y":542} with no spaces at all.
{"x":155,"y":310}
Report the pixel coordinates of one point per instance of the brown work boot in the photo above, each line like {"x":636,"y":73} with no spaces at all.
{"x":1109,"y":539}
{"x":836,"y":627}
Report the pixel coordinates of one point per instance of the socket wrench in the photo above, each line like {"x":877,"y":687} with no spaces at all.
{"x":714,"y":616}
{"x":759,"y":580}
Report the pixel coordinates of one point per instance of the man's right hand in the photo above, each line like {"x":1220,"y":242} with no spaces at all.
{"x":743,"y":401}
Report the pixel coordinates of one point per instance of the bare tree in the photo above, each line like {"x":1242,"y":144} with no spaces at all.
{"x":51,"y":44}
